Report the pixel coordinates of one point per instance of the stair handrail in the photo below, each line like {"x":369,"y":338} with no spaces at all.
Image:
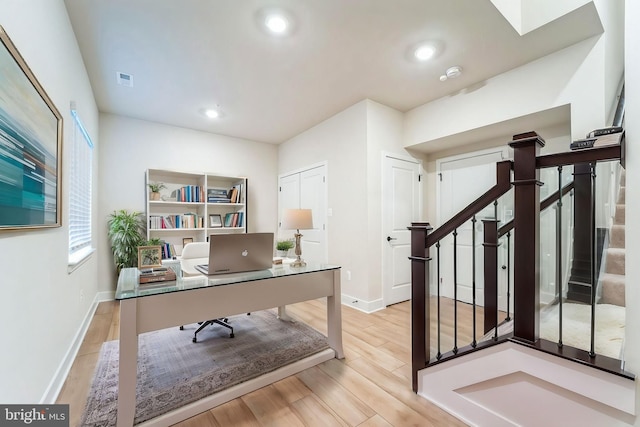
{"x":503,"y":184}
{"x":550,"y":200}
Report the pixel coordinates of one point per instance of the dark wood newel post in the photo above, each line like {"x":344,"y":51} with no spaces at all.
{"x":526,"y":269}
{"x":419,"y":299}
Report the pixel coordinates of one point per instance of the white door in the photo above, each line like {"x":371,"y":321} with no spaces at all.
{"x":307,"y":189}
{"x":461,"y":180}
{"x":401,"y":207}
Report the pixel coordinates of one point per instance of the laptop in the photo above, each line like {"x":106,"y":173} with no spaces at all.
{"x":237,"y":253}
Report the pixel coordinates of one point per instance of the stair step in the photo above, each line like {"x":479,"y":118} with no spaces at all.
{"x":616,"y":261}
{"x":617,"y":238}
{"x":619,"y":218}
{"x":621,"y":196}
{"x":613,"y":289}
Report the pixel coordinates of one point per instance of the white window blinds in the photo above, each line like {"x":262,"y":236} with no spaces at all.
{"x":80,"y":171}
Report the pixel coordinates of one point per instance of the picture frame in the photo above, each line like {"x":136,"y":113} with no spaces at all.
{"x":215,"y":221}
{"x":149,"y":256}
{"x":31,"y":162}
{"x":186,"y":240}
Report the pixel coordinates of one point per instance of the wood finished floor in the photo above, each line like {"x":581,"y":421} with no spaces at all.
{"x":370,"y":387}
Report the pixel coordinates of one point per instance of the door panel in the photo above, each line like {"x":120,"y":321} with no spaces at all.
{"x":400,"y":188}
{"x":307,"y":190}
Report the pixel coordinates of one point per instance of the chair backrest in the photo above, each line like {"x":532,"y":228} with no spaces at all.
{"x":195,"y":250}
{"x":193,"y":254}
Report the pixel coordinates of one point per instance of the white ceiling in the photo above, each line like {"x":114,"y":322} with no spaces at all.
{"x":192,"y":54}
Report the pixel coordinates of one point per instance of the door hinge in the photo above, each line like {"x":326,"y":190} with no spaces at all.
{"x":440,"y":175}
{"x":323,"y":179}
{"x":280,"y":189}
{"x":419,"y":177}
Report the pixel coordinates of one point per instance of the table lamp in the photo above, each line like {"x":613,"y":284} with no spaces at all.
{"x":297,"y":219}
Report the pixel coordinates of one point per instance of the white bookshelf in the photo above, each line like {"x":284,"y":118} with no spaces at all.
{"x":184,"y":209}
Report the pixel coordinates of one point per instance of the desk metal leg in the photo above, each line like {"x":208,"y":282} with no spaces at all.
{"x":128,"y":367}
{"x":334,"y":317}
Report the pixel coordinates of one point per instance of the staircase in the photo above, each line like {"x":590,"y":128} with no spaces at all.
{"x":613,"y":280}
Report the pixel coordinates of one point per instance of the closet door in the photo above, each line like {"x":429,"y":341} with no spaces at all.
{"x":307,"y":189}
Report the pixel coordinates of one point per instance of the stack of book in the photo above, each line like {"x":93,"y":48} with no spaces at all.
{"x":153,"y":275}
{"x":599,"y":138}
{"x":234,"y":194}
{"x":218,"y":195}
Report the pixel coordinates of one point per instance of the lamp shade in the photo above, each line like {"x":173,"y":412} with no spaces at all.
{"x":297,"y":219}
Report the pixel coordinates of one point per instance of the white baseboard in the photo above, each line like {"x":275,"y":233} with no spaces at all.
{"x":365,"y":306}
{"x":55,"y":386}
{"x":105,"y":296}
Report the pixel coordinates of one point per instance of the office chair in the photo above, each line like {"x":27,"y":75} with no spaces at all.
{"x":193,"y":254}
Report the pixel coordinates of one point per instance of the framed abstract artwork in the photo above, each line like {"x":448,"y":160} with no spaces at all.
{"x":30,"y":146}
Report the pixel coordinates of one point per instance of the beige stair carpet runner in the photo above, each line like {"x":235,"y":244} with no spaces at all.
{"x":612,"y":281}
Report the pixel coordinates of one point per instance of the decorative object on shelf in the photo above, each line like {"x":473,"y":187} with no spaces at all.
{"x":215,"y":221}
{"x":126,"y":232}
{"x":149,"y":257}
{"x":283,"y":247}
{"x":155,"y":188}
{"x":30,"y":161}
{"x":186,"y":240}
{"x":297,"y":219}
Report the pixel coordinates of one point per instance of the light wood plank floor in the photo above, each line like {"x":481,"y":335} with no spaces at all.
{"x":370,"y":387}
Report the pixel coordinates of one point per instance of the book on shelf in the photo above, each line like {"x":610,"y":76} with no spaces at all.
{"x":189,"y":194}
{"x":226,"y":195}
{"x":187,"y":220}
{"x":234,"y":219}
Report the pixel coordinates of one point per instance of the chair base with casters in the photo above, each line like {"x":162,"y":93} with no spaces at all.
{"x":221,"y":322}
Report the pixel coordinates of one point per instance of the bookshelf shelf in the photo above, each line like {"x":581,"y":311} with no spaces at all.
{"x":186,"y":200}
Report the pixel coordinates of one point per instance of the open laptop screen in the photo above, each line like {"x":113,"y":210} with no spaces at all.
{"x":237,"y":253}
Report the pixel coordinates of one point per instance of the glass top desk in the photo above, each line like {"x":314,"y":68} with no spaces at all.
{"x":153,"y":306}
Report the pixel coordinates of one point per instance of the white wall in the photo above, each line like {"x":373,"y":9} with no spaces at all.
{"x":384,"y":135}
{"x":41,"y":308}
{"x":632,"y":228}
{"x":576,"y":75}
{"x":130,"y":147}
{"x":341,"y":142}
{"x":352,"y":143}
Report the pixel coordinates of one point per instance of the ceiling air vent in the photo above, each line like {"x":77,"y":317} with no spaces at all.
{"x":124,"y":79}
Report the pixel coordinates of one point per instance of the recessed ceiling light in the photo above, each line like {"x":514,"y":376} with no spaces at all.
{"x":277,"y":23}
{"x":211,"y":113}
{"x":424,"y":52}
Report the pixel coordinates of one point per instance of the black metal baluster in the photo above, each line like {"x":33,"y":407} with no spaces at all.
{"x":508,"y":275}
{"x":439,"y":354}
{"x":455,"y":291}
{"x":592,"y":352}
{"x":559,"y":255}
{"x":473,"y":277}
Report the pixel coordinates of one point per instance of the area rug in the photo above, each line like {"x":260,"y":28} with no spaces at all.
{"x":173,"y":371}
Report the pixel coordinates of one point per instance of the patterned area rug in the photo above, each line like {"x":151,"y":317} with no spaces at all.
{"x":173,"y":371}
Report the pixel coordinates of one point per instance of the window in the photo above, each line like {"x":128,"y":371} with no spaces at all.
{"x":80,"y":173}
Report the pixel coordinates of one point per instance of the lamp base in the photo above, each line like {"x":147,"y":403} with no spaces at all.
{"x":298,"y":263}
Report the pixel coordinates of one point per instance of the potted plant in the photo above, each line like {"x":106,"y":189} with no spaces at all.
{"x":283,"y":246}
{"x":155,"y":188}
{"x":126,"y":232}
